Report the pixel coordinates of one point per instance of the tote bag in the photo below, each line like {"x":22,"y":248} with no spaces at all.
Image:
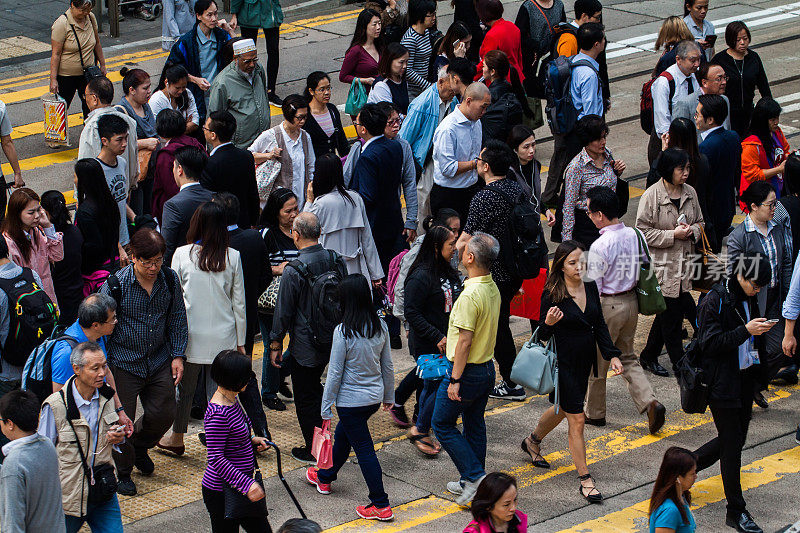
{"x":322,"y":446}
{"x":356,"y":98}
{"x":536,"y":366}
{"x":648,"y":291}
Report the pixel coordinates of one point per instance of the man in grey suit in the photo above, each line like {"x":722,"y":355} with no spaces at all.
{"x":190,"y":162}
{"x":713,"y":80}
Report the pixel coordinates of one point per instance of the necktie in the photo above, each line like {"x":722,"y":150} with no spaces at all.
{"x":691,"y":85}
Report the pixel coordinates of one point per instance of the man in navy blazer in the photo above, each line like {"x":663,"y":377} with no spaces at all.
{"x":190,"y":162}
{"x":724,"y":153}
{"x":377,"y":177}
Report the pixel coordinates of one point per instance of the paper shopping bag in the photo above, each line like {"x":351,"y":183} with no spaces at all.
{"x":322,"y":446}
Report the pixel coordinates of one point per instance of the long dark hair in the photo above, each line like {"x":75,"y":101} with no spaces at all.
{"x":430,"y":253}
{"x":683,"y":134}
{"x":677,"y":462}
{"x":93,"y":190}
{"x":56,"y":206}
{"x":791,"y":174}
{"x":489,"y":492}
{"x":270,"y":214}
{"x":390,"y":53}
{"x":328,"y":175}
{"x":555,"y":284}
{"x":12,"y":224}
{"x":173,"y":74}
{"x":358,"y":313}
{"x":312,"y":81}
{"x":208,"y":230}
{"x":457,"y":31}
{"x":360,"y":33}
{"x":765,"y":109}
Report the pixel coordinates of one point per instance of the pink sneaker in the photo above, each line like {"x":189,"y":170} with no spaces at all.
{"x":370,"y":512}
{"x":311,"y":477}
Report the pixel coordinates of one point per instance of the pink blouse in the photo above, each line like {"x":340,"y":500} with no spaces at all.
{"x":44,"y":250}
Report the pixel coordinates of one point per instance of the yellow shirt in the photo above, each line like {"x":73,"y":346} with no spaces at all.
{"x":70,"y":64}
{"x":476,"y":310}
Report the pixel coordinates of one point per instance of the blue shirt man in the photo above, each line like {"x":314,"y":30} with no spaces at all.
{"x":586,"y":88}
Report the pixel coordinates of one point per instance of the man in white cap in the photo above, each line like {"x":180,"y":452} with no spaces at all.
{"x":241,"y":88}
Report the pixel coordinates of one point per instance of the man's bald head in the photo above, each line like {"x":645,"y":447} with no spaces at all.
{"x":476,"y":100}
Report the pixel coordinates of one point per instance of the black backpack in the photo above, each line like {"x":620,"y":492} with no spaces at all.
{"x":32,"y":316}
{"x":326,"y":309}
{"x":523,"y":246}
{"x":37,"y":376}
{"x":503,"y":114}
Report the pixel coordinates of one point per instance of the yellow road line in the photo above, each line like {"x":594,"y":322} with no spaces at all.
{"x":40,"y":161}
{"x":606,"y":446}
{"x":758,"y":473}
{"x":37,"y":128}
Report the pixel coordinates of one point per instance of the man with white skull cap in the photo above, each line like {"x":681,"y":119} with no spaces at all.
{"x":241,"y":88}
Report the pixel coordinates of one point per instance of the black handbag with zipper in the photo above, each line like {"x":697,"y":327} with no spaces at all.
{"x":92,"y":71}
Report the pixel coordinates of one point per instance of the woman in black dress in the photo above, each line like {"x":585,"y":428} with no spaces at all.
{"x":574,"y":317}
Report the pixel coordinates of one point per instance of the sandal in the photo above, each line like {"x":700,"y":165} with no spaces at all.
{"x":536,"y":456}
{"x":594,"y":495}
{"x":424,"y":447}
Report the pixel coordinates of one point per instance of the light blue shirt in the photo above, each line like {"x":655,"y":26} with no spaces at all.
{"x":701,"y":32}
{"x":791,"y":306}
{"x":668,"y":516}
{"x":456,"y":139}
{"x":207,"y":48}
{"x":61,"y":365}
{"x":585,"y":88}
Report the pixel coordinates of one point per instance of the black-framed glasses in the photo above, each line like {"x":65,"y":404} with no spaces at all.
{"x":770,"y":205}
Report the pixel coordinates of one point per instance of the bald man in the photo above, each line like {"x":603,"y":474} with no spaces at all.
{"x":456,"y":147}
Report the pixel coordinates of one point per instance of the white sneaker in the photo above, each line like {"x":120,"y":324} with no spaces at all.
{"x":503,"y":391}
{"x":470,"y":488}
{"x":455,"y":487}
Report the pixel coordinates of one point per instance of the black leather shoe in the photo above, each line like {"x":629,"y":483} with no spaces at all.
{"x":143,"y":462}
{"x":202,"y":438}
{"x":655,"y":368}
{"x":274,"y":98}
{"x":599,"y":422}
{"x":396,"y":342}
{"x":788,"y":375}
{"x":743,"y":522}
{"x":760,"y":401}
{"x":126,"y":486}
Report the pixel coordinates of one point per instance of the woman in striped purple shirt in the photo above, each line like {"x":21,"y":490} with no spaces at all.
{"x":230,"y":445}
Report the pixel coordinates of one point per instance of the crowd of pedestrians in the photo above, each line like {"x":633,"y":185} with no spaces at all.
{"x":199,"y":225}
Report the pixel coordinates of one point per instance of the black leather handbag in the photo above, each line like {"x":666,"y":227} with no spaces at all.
{"x":691,"y":380}
{"x":92,"y":71}
{"x":238,"y":505}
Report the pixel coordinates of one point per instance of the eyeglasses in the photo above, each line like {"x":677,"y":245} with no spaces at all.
{"x":724,"y":77}
{"x":327,"y":89}
{"x":112,"y":321}
{"x":393,"y":121}
{"x":300,"y":118}
{"x":770,"y":205}
{"x":152,"y":262}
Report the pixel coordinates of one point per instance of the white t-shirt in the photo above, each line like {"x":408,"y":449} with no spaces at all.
{"x":117,"y":179}
{"x":160,"y":101}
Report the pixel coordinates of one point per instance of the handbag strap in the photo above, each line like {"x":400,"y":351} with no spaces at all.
{"x":86,"y":470}
{"x":77,"y":42}
{"x":534,"y":2}
{"x":643,"y":245}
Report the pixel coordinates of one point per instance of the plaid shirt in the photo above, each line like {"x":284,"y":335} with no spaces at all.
{"x":145,"y":338}
{"x":768,"y":243}
{"x":580,"y":176}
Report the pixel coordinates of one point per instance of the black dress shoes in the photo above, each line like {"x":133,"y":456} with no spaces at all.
{"x":760,"y":401}
{"x":655,"y":368}
{"x":742,"y":522}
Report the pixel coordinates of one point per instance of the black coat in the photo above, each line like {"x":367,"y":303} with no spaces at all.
{"x":425,"y":309}
{"x":721,"y":331}
{"x":717,"y":193}
{"x":255,"y":268}
{"x":336,"y":143}
{"x":67,"y":278}
{"x":233,"y":170}
{"x":178,"y":212}
{"x":96,"y":248}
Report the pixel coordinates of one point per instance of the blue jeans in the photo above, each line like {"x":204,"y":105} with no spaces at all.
{"x":102,"y":518}
{"x":427,"y":401}
{"x":352,"y":431}
{"x":271,"y":377}
{"x":467,"y":450}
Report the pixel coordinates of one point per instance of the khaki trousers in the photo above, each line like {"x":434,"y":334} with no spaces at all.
{"x":621,"y":313}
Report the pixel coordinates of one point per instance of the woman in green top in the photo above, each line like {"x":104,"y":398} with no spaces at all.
{"x":669,"y":504}
{"x":267,"y":14}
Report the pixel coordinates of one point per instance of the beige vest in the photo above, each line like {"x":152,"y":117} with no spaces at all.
{"x":286,"y":176}
{"x":74,"y":483}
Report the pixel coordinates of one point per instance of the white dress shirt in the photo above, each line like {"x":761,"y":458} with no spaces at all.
{"x":218,"y":147}
{"x":456,"y":139}
{"x":662,"y":114}
{"x":706,"y":133}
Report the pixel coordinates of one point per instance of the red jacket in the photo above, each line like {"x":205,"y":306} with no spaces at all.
{"x":503,"y":36}
{"x":164,"y":186}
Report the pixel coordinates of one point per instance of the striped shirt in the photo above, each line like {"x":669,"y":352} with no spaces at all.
{"x":145,"y":338}
{"x":420,"y":51}
{"x":768,"y":243}
{"x":230,"y":450}
{"x":325,"y":121}
{"x":279,"y":247}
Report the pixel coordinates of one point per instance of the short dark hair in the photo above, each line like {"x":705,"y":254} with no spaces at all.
{"x":392,"y":52}
{"x":95,"y":308}
{"x":603,"y":200}
{"x":756,"y":193}
{"x":590,"y":128}
{"x":102,"y":88}
{"x":703,"y":69}
{"x":462,"y":68}
{"x":22,"y":408}
{"x":714,"y":106}
{"x":230,"y":204}
{"x":223,"y":124}
{"x":147,"y":243}
{"x":498,"y":156}
{"x":489,"y":10}
{"x":170,"y":124}
{"x":791,"y":175}
{"x":519,"y":134}
{"x":202,"y":5}
{"x":110,"y":124}
{"x":291,"y":104}
{"x":753,"y":266}
{"x":300,"y":525}
{"x":419,"y":9}
{"x":590,"y":33}
{"x":732,"y":32}
{"x":587,"y":7}
{"x":489,"y":492}
{"x":232,"y":370}
{"x":192,"y":160}
{"x":373,"y":119}
{"x":669,"y":160}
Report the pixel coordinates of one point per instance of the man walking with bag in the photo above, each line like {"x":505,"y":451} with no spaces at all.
{"x":613,"y":264}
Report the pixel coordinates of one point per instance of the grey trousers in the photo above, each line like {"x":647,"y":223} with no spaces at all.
{"x":185,"y":393}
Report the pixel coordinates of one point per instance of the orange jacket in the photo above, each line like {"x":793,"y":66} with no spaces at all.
{"x":754,"y":159}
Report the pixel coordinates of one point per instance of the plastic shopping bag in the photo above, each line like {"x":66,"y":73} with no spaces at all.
{"x":322,"y":445}
{"x":56,"y":130}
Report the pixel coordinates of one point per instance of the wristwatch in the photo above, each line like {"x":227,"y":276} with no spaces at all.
{"x":455,"y":380}
{"x":119,"y":409}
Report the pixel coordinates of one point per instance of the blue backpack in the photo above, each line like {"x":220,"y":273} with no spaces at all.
{"x":37,"y":374}
{"x":560,"y":110}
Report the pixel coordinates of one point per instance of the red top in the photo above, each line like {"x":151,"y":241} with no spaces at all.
{"x":164,"y":186}
{"x":358,"y":63}
{"x":504,"y":36}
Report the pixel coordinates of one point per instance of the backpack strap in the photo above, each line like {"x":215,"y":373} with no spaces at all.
{"x":671,"y":83}
{"x":507,"y":197}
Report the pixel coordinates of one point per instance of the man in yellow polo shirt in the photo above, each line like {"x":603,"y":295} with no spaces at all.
{"x":471,"y":336}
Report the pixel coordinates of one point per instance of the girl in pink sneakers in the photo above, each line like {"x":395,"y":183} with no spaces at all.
{"x":360,"y":379}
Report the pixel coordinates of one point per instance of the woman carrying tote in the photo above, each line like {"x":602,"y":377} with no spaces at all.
{"x":210,"y":274}
{"x":574,"y":318}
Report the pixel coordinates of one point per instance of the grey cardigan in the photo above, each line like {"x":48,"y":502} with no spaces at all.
{"x":360,"y":372}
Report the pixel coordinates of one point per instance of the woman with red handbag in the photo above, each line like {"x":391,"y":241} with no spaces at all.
{"x":360,"y":380}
